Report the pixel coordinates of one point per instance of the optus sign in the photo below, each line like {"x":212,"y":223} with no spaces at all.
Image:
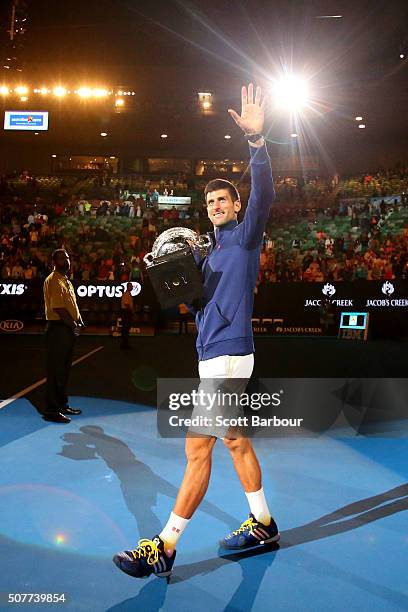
{"x":11,"y":325}
{"x":110,"y":291}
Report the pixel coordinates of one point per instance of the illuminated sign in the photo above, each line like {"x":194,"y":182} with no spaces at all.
{"x":11,"y":325}
{"x":12,"y":289}
{"x":268,"y":325}
{"x":174,"y":200}
{"x":110,"y":291}
{"x":354,"y":325}
{"x":35,"y":121}
{"x":353,"y":320}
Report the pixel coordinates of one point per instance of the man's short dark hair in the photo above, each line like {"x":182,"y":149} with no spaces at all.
{"x":56,"y":253}
{"x":216,"y":184}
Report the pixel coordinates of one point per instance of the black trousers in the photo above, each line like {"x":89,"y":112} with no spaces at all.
{"x":60,"y":341}
{"x":127,"y":319}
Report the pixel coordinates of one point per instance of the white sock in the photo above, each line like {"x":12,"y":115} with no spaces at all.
{"x":258,"y":506}
{"x":173,"y":530}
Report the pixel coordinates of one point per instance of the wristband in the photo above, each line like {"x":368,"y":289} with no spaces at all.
{"x":253,"y":137}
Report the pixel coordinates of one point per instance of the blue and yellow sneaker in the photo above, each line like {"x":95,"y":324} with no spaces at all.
{"x":148,"y":558}
{"x":251,"y":533}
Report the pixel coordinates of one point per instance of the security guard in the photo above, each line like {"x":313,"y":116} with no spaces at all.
{"x":63,"y":325}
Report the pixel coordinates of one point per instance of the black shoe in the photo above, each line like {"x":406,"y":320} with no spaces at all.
{"x":56,"y":417}
{"x":71,"y":411}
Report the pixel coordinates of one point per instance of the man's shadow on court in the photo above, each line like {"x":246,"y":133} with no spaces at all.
{"x":344,"y":519}
{"x":139,"y":484}
{"x":140,"y":487}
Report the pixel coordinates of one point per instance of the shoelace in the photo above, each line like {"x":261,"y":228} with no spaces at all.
{"x":248,"y":524}
{"x":147,"y":548}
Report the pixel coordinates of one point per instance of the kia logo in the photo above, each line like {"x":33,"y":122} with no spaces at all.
{"x":11,"y":325}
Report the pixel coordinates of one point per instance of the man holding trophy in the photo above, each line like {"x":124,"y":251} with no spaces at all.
{"x":225,"y":351}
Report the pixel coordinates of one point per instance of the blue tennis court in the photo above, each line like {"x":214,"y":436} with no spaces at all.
{"x":71,"y":496}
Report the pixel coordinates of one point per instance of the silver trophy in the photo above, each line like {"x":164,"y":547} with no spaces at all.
{"x":177,"y":239}
{"x":172,"y":267}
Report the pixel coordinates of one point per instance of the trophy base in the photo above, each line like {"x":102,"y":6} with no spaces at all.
{"x":176,"y":279}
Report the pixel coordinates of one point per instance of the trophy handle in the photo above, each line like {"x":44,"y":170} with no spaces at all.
{"x":148,"y":259}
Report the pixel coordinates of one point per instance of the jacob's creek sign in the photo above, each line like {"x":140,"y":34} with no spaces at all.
{"x":369,"y":295}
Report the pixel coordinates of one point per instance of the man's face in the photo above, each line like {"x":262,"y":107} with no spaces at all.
{"x":221,"y":208}
{"x":62,"y":262}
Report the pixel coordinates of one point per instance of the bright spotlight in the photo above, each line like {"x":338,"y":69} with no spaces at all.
{"x":163,"y":136}
{"x":402,"y":56}
{"x":359,"y":118}
{"x":119,"y":102}
{"x":22,"y":91}
{"x":104,"y":134}
{"x":43,"y":91}
{"x":23,"y":98}
{"x":53,"y":155}
{"x":99,"y":93}
{"x":84,"y":92}
{"x":60,"y":92}
{"x":227,"y":137}
{"x":293,"y":135}
{"x":4,"y":90}
{"x":291,"y":92}
{"x":361,"y":126}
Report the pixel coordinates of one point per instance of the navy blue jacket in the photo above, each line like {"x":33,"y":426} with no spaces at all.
{"x":231,"y":269}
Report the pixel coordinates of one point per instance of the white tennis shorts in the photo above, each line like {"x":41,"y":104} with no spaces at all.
{"x":221,"y":377}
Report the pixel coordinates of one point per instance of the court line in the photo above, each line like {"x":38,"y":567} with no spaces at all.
{"x":11,"y":399}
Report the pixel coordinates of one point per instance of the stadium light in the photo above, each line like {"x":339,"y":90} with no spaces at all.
{"x":205,"y":100}
{"x":4,"y":91}
{"x":43,"y":91}
{"x":59,"y":91}
{"x":291,"y":92}
{"x":84,"y":92}
{"x":23,"y":99}
{"x":99,"y":93}
{"x":119,"y":102}
{"x":21,"y":90}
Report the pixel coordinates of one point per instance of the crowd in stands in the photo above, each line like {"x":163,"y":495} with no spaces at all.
{"x":338,"y":233}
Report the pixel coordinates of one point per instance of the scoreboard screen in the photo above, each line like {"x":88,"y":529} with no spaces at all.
{"x":353,"y":320}
{"x":32,"y":121}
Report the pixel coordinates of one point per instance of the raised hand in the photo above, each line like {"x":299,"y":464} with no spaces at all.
{"x":252,"y":116}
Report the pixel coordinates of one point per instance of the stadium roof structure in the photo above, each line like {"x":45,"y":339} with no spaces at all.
{"x":167,"y":52}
